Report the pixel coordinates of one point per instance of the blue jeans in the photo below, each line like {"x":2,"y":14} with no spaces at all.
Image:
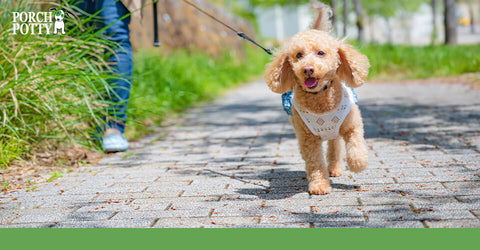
{"x":112,"y":11}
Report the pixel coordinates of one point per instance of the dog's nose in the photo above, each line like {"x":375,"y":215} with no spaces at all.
{"x":308,"y":70}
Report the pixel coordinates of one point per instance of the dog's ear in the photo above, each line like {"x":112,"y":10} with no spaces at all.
{"x":279,"y":75}
{"x":353,"y":67}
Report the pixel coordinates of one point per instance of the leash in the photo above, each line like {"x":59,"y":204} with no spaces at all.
{"x":156,"y":43}
{"x":239,"y":33}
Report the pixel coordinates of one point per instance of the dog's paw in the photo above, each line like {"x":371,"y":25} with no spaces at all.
{"x":319,"y":187}
{"x":357,"y":159}
{"x":335,"y":172}
{"x":357,"y":164}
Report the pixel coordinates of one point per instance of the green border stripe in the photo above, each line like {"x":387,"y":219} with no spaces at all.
{"x":236,"y":238}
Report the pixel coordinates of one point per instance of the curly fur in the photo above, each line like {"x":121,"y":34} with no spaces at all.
{"x":339,"y":62}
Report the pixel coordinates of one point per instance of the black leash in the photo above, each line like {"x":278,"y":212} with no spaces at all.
{"x":239,"y":33}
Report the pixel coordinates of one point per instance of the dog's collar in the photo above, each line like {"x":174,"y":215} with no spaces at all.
{"x":323,"y":89}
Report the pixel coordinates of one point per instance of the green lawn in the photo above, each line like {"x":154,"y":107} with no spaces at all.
{"x":412,"y":62}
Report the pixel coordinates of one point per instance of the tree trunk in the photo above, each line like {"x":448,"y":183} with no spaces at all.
{"x":450,"y":20}
{"x":333,"y":4}
{"x":360,"y":27}
{"x":434,"y":21}
{"x":371,"y":23}
{"x":472,"y":22}
{"x":345,"y":17}
{"x":389,"y":30}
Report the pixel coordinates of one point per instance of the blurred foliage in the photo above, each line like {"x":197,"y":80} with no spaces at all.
{"x":371,"y":7}
{"x":268,"y":3}
{"x":165,"y":84}
{"x":390,"y":8}
{"x":412,"y":62}
{"x":238,"y":9}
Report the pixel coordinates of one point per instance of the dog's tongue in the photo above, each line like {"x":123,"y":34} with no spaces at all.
{"x":310,"y":82}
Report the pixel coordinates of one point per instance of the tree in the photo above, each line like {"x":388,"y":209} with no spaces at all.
{"x":345,"y":17}
{"x":450,"y":21}
{"x":434,"y":21}
{"x":472,"y":22}
{"x":360,"y":26}
{"x":333,"y":4}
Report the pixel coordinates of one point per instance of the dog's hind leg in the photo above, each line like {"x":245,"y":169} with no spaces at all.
{"x":334,"y":157}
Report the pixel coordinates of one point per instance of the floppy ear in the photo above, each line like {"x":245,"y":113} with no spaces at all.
{"x":279,"y":75}
{"x":353,"y":67}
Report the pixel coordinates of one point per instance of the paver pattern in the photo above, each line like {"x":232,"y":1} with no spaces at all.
{"x":235,"y":163}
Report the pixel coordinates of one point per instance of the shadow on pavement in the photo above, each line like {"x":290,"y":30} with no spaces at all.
{"x":448,"y":126}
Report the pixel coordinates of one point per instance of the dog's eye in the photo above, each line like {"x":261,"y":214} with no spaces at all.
{"x":321,"y":53}
{"x":299,"y":55}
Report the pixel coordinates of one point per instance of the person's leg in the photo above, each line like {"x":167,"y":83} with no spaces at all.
{"x":113,"y":17}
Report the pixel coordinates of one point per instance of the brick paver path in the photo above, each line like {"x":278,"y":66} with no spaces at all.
{"x":235,"y":163}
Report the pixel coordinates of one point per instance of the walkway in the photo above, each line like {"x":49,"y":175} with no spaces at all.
{"x":235,"y":163}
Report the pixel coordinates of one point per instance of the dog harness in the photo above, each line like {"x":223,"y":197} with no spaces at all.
{"x":327,"y":125}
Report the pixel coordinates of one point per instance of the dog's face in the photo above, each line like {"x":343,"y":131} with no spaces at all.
{"x":59,"y":15}
{"x":312,"y":59}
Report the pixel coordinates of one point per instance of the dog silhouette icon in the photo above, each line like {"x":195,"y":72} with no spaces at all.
{"x":59,"y":24}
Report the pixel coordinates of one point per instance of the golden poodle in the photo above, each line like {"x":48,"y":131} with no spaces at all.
{"x":320,"y":69}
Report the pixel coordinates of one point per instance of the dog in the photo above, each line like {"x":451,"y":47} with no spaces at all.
{"x":321,"y":70}
{"x":59,"y":24}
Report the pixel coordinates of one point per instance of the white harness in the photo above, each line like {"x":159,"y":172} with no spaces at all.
{"x":327,"y":125}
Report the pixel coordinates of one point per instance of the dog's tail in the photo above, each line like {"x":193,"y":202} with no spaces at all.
{"x":324,"y":19}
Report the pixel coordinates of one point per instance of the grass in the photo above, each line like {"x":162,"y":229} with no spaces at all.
{"x":55,"y":175}
{"x":419,"y":62}
{"x":5,"y":184}
{"x":167,"y":84}
{"x":53,"y":88}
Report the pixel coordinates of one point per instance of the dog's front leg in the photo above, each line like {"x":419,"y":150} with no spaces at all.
{"x":312,"y":153}
{"x":352,"y":132}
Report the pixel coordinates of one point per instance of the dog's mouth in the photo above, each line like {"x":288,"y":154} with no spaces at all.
{"x":311,"y":82}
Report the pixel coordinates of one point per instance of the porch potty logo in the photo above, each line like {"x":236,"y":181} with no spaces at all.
{"x":39,"y":22}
